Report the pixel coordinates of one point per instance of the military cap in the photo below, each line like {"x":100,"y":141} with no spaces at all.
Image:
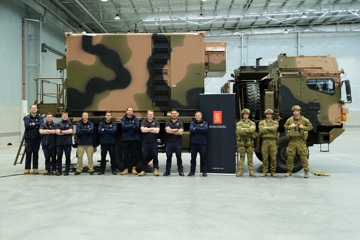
{"x":296,"y":107}
{"x":269,"y":111}
{"x":245,"y":110}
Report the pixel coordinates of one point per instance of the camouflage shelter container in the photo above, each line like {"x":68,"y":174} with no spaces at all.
{"x":110,"y":72}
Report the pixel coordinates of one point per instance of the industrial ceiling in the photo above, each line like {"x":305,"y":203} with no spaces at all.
{"x":215,"y":17}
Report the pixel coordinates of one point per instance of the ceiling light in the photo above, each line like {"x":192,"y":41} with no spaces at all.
{"x":201,"y":16}
{"x":104,"y":0}
{"x":286,"y":31}
{"x":304,"y":15}
{"x":117,"y":17}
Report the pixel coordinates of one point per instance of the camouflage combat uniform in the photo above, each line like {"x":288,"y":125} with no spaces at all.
{"x":245,"y":132}
{"x":297,"y":142}
{"x":269,"y":134}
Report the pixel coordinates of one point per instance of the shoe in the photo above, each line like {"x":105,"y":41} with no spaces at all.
{"x":133,"y":171}
{"x":239,"y":173}
{"x":91,"y":172}
{"x":264,"y":174}
{"x":77,"y":173}
{"x":191,"y":174}
{"x":101,"y":173}
{"x":252,"y":174}
{"x":114,"y":172}
{"x":124,"y":172}
{"x":53,"y":172}
{"x":306,"y":175}
{"x":66,"y":173}
{"x":181,"y":173}
{"x":27,"y":171}
{"x":45,"y":172}
{"x":288,"y":174}
{"x":58,"y":173}
{"x":204,"y":174}
{"x":166,"y":173}
{"x":142,"y":173}
{"x":273,"y":174}
{"x":35,"y":171}
{"x":156,"y":172}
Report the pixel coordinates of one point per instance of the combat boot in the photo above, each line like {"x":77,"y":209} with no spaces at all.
{"x":133,"y":171}
{"x":252,"y":174}
{"x":124,"y":172}
{"x":45,"y":172}
{"x":288,"y":174}
{"x":306,"y":175}
{"x":239,"y":173}
{"x":35,"y":171}
{"x":53,"y":172}
{"x":264,"y":174}
{"x":156,"y":172}
{"x":142,"y":173}
{"x":27,"y":171}
{"x":273,"y":174}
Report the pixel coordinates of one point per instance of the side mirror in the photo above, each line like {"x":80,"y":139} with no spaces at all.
{"x":347,"y":90}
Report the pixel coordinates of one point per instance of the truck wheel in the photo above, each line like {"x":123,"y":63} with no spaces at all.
{"x":281,"y":157}
{"x":253,"y":101}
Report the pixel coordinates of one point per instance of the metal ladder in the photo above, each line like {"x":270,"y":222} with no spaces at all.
{"x":20,"y":152}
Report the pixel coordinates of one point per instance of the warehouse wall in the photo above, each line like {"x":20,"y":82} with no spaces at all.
{"x":36,"y":31}
{"x":243,"y":50}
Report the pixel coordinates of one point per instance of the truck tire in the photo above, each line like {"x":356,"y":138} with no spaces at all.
{"x":253,"y":101}
{"x":119,"y":155}
{"x":281,"y":157}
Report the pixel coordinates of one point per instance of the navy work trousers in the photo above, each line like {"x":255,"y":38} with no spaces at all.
{"x":201,"y":149}
{"x":130,"y":149}
{"x":32,"y":147}
{"x":150,"y":151}
{"x":105,"y":148}
{"x":170,"y":149}
{"x":50,"y":157}
{"x":60,"y":150}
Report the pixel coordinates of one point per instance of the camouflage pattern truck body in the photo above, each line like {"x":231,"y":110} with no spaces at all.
{"x":312,"y":82}
{"x":111,"y":72}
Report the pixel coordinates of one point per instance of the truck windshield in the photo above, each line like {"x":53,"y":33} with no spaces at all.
{"x":322,"y":85}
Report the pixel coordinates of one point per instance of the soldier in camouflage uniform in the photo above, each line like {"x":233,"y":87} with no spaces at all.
{"x":269,"y":134}
{"x":245,"y":134}
{"x":297,"y":128}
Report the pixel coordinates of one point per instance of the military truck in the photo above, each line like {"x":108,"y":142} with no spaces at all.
{"x":312,"y":82}
{"x":111,"y":72}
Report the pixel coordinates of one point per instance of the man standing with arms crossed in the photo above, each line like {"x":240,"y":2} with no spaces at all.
{"x":245,"y":132}
{"x":64,"y":131}
{"x":198,"y":130}
{"x":130,"y":141}
{"x":150,"y":129}
{"x":84,"y":133}
{"x":107,"y":130}
{"x":268,"y":129}
{"x":32,"y":137}
{"x":297,"y":128}
{"x":48,"y":140}
{"x":174,"y":129}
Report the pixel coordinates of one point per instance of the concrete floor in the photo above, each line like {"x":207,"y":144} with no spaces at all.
{"x":174,"y":207}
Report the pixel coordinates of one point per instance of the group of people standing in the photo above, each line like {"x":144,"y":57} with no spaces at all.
{"x":56,"y":139}
{"x":296,"y":128}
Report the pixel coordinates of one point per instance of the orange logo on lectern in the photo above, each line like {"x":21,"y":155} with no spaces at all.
{"x":217,"y":117}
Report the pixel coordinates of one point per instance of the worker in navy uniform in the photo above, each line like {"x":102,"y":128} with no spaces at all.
{"x":150,"y":129}
{"x":130,"y":141}
{"x":84,"y":133}
{"x":32,"y":137}
{"x":107,"y":130}
{"x":198,"y":130}
{"x":64,"y":131}
{"x":48,"y":142}
{"x":174,"y":129}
